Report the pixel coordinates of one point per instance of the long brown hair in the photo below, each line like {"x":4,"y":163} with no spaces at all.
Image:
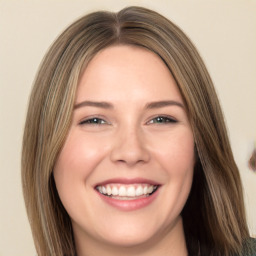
{"x":214,"y":215}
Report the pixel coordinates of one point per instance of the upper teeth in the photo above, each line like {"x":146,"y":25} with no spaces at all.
{"x":126,"y":190}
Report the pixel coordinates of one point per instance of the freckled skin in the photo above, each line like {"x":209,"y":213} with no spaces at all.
{"x":128,"y":144}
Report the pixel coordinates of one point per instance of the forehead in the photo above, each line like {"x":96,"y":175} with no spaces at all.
{"x":126,"y":71}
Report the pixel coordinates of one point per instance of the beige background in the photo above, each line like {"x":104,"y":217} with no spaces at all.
{"x":223,"y":31}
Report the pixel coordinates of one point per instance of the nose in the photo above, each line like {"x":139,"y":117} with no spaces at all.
{"x":129,"y":147}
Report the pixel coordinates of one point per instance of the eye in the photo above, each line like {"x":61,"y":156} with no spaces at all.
{"x":93,"y":121}
{"x":162,"y":120}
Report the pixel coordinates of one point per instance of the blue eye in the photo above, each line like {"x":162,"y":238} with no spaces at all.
{"x":94,"y":121}
{"x":162,"y":120}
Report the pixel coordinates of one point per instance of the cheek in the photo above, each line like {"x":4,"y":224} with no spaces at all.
{"x":78,"y":156}
{"x":177,"y":157}
{"x":76,"y":162}
{"x":176,"y":152}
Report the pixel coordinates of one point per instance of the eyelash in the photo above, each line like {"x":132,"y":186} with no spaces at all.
{"x":93,"y":121}
{"x":162,"y":120}
{"x":155,"y":120}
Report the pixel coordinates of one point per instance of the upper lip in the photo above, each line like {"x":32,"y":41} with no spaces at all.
{"x":128,"y":181}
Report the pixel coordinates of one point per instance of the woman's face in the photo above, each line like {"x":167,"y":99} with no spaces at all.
{"x":126,"y":168}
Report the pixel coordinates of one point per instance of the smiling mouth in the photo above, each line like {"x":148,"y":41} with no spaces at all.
{"x":127,"y":192}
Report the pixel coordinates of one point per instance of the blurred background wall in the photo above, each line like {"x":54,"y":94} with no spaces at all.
{"x":223,"y":31}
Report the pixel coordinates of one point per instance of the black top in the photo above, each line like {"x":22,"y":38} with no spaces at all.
{"x":250,"y":247}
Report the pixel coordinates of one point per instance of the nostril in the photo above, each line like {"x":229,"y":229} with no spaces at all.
{"x":130,"y":152}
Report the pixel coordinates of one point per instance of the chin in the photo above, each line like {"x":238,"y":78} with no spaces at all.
{"x":131,"y":234}
{"x":128,"y":240}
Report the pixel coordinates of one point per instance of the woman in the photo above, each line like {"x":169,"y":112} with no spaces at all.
{"x":125,"y":149}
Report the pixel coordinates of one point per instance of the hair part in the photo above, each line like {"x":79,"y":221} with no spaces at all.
{"x":214,"y":215}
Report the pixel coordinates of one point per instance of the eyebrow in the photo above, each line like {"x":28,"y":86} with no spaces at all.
{"x":99,"y":104}
{"x":107,"y":105}
{"x":165,"y":103}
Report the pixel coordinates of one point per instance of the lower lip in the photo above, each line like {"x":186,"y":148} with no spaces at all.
{"x":129,"y":205}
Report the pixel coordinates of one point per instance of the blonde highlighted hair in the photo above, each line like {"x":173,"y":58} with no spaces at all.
{"x":214,"y":215}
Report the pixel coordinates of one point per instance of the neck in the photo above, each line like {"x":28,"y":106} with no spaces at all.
{"x":169,"y":242}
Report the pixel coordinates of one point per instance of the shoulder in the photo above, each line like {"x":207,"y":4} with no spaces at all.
{"x":250,"y":247}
